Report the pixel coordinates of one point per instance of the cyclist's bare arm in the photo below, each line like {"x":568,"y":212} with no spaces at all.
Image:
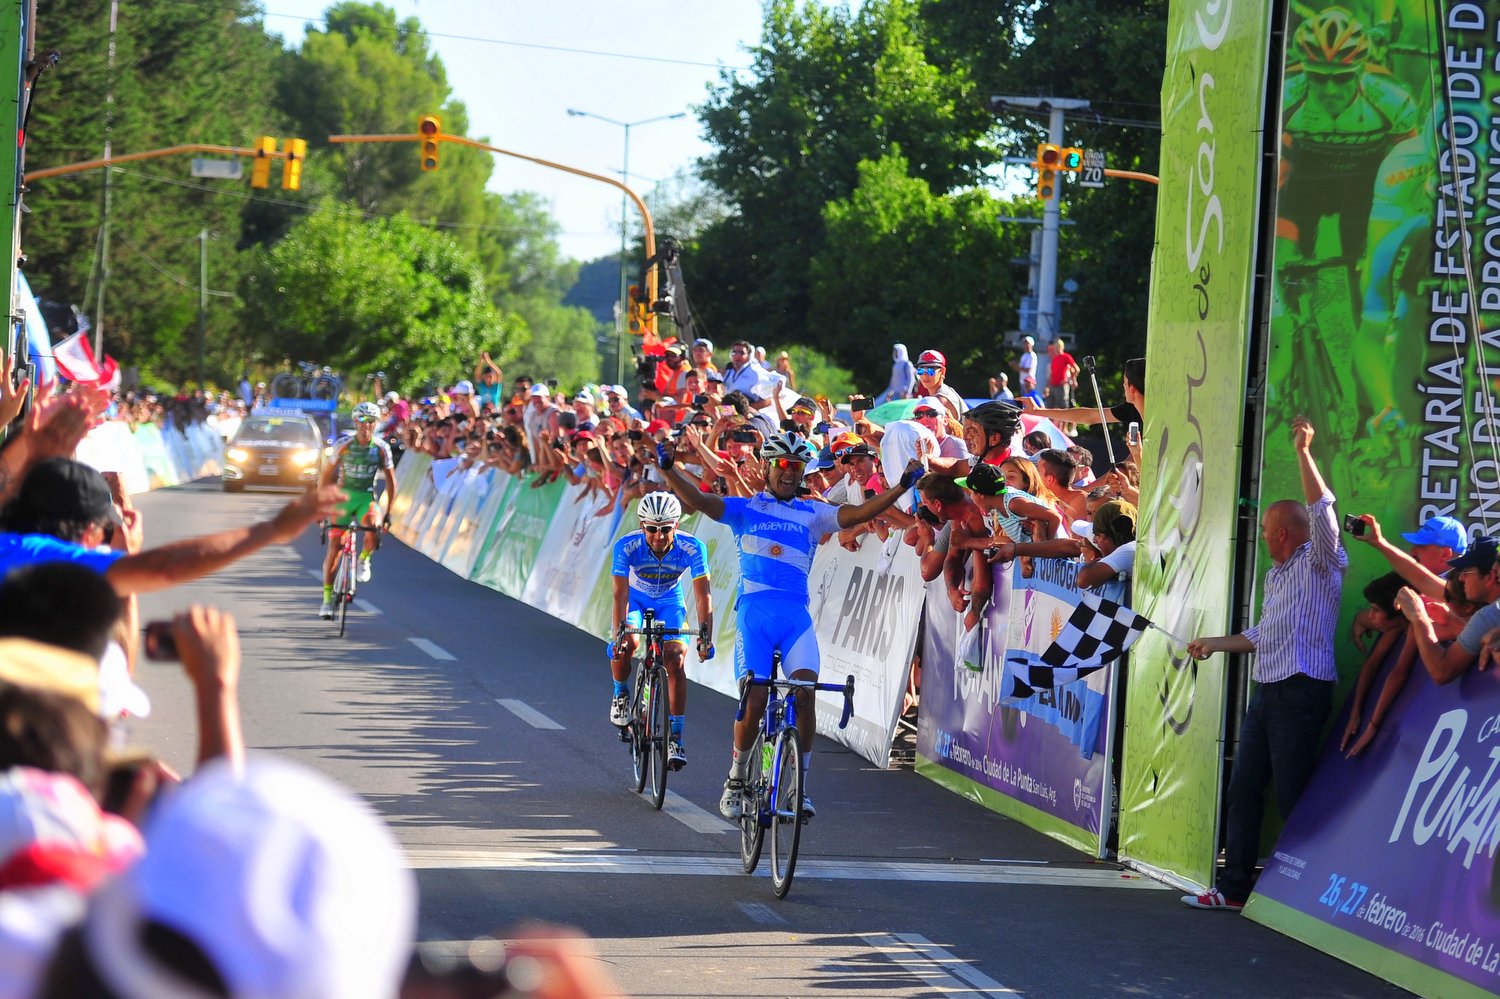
{"x":704,"y":595}
{"x":390,"y":491}
{"x":621,"y":592}
{"x":708,"y":504}
{"x":853,"y":516}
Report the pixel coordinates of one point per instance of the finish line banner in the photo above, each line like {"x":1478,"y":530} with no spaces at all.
{"x":1389,"y":859}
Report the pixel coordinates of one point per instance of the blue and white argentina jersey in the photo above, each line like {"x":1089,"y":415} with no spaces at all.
{"x":659,"y":577}
{"x":777,"y":541}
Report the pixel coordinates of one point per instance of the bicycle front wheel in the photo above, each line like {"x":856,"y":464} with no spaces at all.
{"x":639,"y":703}
{"x":752,"y":833}
{"x":786,"y":810}
{"x":659,"y":735}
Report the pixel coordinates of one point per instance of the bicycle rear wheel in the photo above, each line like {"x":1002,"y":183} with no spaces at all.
{"x":639,"y":703}
{"x":786,"y":810}
{"x":323,"y":387}
{"x":286,"y":386}
{"x":752,"y":833}
{"x":658,"y":735}
{"x":343,"y":579}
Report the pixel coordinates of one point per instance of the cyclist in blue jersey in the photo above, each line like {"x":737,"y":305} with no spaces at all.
{"x":777,"y":534}
{"x":647,"y":569}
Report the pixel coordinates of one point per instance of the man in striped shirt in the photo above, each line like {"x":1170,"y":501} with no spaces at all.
{"x":1294,"y":669}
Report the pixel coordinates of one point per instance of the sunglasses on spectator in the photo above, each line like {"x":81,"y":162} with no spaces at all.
{"x":703,"y":424}
{"x":803,"y":410}
{"x":928,"y":370}
{"x":659,"y":528}
{"x":919,"y":413}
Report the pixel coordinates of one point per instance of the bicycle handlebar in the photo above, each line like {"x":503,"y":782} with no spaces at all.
{"x":847,"y":688}
{"x":683,"y":632}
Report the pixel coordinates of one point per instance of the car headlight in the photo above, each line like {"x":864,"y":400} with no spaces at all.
{"x":306,"y":456}
{"x":237,"y":454}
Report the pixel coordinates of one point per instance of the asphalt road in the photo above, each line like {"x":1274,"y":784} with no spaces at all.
{"x":478,"y":727}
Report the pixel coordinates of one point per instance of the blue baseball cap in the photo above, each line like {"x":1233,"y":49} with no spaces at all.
{"x":1443,"y":532}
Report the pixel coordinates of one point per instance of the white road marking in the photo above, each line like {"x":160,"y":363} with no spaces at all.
{"x":528,"y":714}
{"x":761,"y":913}
{"x":316,"y":574}
{"x":726,"y":865}
{"x":934,"y":965}
{"x":366,"y":606}
{"x":432,"y":649}
{"x":695,"y":818}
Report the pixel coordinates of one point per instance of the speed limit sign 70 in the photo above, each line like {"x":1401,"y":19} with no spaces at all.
{"x":1091,"y":174}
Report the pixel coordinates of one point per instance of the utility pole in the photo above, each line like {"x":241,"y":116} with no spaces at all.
{"x":1048,"y":326}
{"x":109,"y":124}
{"x":202,"y":301}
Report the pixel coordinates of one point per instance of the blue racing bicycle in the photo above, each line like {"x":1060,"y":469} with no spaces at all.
{"x":772,"y":794}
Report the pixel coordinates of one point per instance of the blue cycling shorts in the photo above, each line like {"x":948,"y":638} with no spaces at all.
{"x":670,"y":612}
{"x":767,"y":625}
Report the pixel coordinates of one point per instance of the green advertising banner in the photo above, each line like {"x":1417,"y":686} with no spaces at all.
{"x":516,"y":537}
{"x":1379,"y":319}
{"x":1201,"y":300}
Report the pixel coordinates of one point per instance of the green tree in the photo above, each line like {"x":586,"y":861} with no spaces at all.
{"x":816,"y":374}
{"x":829,"y":87}
{"x":377,"y":294}
{"x":902,"y":264}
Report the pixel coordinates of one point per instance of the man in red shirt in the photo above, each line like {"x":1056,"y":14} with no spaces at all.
{"x":1062,"y":375}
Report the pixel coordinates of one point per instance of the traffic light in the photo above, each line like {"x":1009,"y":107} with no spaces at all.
{"x":638,"y":312}
{"x":430,"y":127}
{"x":291,"y":170}
{"x":1048,"y":159}
{"x":1072,"y":159}
{"x":260,"y":170}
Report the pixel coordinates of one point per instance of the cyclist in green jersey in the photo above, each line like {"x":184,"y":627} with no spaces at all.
{"x":355,"y":463}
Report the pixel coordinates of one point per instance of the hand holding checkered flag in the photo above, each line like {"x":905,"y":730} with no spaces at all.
{"x":1096,"y":634}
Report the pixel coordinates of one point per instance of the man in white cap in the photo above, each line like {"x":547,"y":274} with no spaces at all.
{"x":539,"y":416}
{"x":462,"y":395}
{"x":617,"y":402}
{"x":583,"y":408}
{"x":702,"y":354}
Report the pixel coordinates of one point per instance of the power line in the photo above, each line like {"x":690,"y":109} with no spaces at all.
{"x":545,"y":48}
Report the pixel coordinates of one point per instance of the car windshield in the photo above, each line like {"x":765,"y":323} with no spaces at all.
{"x":274,"y":428}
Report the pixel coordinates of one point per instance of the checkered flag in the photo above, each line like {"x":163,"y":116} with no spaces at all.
{"x":1096,"y":634}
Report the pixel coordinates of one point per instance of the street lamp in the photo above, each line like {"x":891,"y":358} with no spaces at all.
{"x":622,"y":320}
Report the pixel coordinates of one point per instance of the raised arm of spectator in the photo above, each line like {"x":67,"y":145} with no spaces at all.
{"x":1073,"y":414}
{"x":12,"y":397}
{"x":1324,"y":526}
{"x":209,"y":646}
{"x":485,"y":364}
{"x":1423,"y":580}
{"x":177,"y":562}
{"x":1443,"y":665}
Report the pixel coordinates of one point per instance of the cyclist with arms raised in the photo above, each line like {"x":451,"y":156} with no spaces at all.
{"x":648,"y":567}
{"x":777,"y":534}
{"x":355,"y":463}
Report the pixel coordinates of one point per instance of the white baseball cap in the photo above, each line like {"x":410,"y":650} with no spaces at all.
{"x":290,"y":886}
{"x":464,"y":387}
{"x":539,"y":392}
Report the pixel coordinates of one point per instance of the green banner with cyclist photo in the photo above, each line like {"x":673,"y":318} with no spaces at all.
{"x":1386,"y":302}
{"x":1201,"y":303}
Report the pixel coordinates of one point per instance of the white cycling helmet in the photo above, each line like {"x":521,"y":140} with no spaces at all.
{"x":366,"y":412}
{"x":789,"y":445}
{"x":660,"y":508}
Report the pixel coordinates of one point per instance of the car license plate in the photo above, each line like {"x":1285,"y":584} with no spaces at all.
{"x":269,"y":470}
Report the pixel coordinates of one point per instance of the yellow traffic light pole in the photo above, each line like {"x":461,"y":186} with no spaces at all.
{"x":648,"y":226}
{"x":149,"y":154}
